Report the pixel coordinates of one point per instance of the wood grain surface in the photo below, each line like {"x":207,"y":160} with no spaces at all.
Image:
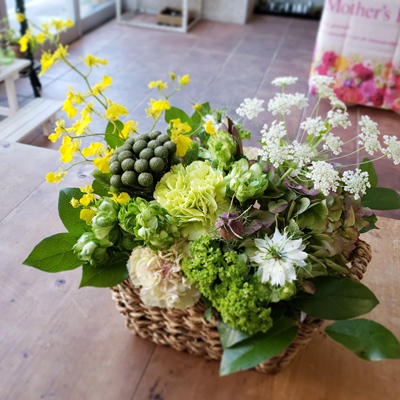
{"x":61,"y":342}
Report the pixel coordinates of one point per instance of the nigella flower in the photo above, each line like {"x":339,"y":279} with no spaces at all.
{"x":277,"y":258}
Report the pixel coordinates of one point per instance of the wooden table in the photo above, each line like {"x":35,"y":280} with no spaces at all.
{"x":9,"y":74}
{"x":61,"y":342}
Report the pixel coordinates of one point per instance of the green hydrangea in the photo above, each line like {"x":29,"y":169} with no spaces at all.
{"x":223,"y":279}
{"x":245,"y":181}
{"x":222,"y":149}
{"x":194,"y":195}
{"x":148,"y":222}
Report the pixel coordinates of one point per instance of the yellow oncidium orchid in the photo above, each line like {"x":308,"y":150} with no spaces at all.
{"x":157,"y":107}
{"x":209,"y":127}
{"x":197,"y":106}
{"x":121,"y":198}
{"x":87,"y":215}
{"x":93,"y":61}
{"x":179,"y":127}
{"x":59,"y":130}
{"x":20,"y":17}
{"x":184,"y":80}
{"x":102,"y":163}
{"x":114,"y":111}
{"x":129,"y":128}
{"x":68,"y":105}
{"x":160,"y":85}
{"x":94,"y":149}
{"x":55,"y":177}
{"x":74,"y":202}
{"x":80,"y":125}
{"x":182,"y":143}
{"x":88,"y":197}
{"x":68,"y":148}
{"x":41,"y":37}
{"x":101,"y":86}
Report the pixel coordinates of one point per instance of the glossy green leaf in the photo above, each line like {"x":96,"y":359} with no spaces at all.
{"x":368,"y":166}
{"x":110,"y":274}
{"x":54,"y":254}
{"x":174,"y":113}
{"x":366,"y":339}
{"x":70,"y":215}
{"x":197,"y":116}
{"x":230,"y":336}
{"x":379,"y":198}
{"x":336,"y":298}
{"x":261,"y":347}
{"x":112,"y":134}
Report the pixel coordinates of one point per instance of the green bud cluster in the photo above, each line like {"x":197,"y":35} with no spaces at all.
{"x":139,"y":164}
{"x":245,"y":181}
{"x":149,"y":222}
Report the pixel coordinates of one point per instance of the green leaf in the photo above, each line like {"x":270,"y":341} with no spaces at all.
{"x":380,"y":198}
{"x":113,"y":130}
{"x":70,"y":215}
{"x":230,"y":336}
{"x":336,"y":298}
{"x":54,"y":254}
{"x":368,"y":166}
{"x":197,"y":116}
{"x":366,"y":339}
{"x":174,"y":113}
{"x":261,"y":347}
{"x":371,"y":219}
{"x":110,"y":274}
{"x":102,"y":180}
{"x":208,"y":314}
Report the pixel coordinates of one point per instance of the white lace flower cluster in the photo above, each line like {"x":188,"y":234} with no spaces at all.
{"x":250,"y":108}
{"x":277,"y":151}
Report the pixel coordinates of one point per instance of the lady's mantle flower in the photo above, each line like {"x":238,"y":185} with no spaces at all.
{"x":160,"y":276}
{"x":250,"y":108}
{"x":277,"y":257}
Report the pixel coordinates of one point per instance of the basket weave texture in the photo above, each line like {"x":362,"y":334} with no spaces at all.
{"x":188,"y":330}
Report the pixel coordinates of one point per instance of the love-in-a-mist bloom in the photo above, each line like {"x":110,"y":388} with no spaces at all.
{"x":278,"y":258}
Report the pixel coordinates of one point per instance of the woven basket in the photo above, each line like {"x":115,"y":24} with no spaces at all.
{"x":188,"y":330}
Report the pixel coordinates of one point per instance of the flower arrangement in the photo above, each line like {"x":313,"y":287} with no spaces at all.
{"x":263,"y":235}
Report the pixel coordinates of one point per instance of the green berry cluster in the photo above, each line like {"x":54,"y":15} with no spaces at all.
{"x":141,"y":162}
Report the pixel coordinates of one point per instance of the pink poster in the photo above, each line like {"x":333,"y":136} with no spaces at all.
{"x":358,"y":44}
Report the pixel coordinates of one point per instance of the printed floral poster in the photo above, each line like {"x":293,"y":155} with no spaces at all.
{"x":358,"y":45}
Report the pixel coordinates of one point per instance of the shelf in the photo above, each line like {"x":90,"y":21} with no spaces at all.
{"x":135,"y":18}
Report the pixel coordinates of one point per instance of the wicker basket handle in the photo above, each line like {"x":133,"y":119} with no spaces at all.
{"x":361,"y":258}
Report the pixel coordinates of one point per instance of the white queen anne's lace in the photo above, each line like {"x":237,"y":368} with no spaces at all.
{"x":356,"y":182}
{"x":250,"y":108}
{"x":324,"y":176}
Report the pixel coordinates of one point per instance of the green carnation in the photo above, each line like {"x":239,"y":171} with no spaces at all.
{"x":223,"y":279}
{"x":195,"y":195}
{"x":245,"y":181}
{"x":149,"y":222}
